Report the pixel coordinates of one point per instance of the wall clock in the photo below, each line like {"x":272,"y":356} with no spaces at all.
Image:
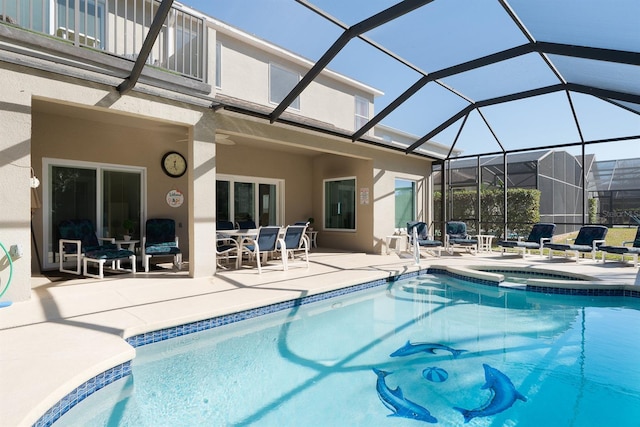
{"x":174,"y":164}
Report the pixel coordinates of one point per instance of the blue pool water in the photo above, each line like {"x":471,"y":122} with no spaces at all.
{"x":554,"y":360}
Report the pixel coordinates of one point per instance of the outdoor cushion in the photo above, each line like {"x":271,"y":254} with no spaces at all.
{"x":109,"y":254}
{"x":167,"y":248}
{"x":624,"y":249}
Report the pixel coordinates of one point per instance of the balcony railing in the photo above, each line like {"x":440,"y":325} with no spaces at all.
{"x":118,"y":27}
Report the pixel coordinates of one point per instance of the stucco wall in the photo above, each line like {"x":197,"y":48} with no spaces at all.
{"x":70,"y":138}
{"x":263,"y":162}
{"x":110,"y":129}
{"x":245,"y":75}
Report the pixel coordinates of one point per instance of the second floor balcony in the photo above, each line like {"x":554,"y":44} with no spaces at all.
{"x":118,"y":27}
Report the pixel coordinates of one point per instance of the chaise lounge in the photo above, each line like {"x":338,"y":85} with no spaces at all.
{"x":457,"y":237}
{"x":419,"y":239}
{"x":589,"y":238}
{"x":78,"y":240}
{"x":623,"y":250}
{"x":539,"y":235}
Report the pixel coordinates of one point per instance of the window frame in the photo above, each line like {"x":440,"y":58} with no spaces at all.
{"x":295,"y":105}
{"x":256,"y":181}
{"x":414,"y":199}
{"x":360,"y":120}
{"x":355,"y":204}
{"x":47,"y":228}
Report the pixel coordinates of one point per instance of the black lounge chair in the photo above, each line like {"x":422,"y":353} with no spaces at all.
{"x":540,"y":233}
{"x":457,"y":237}
{"x":589,"y":238}
{"x":420,"y":239}
{"x":623,"y":250}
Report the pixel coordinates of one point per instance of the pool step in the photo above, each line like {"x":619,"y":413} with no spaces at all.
{"x":513,"y":285}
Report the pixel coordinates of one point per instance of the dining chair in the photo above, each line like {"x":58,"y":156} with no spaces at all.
{"x":264,"y":244}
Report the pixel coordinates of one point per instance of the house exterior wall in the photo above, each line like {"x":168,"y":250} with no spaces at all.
{"x":135,"y":130}
{"x":53,"y":110}
{"x":245,"y":75}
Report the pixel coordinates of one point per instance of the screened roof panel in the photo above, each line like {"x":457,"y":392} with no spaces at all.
{"x":441,"y":34}
{"x":499,"y":57}
{"x":599,"y":74}
{"x":597,"y":23}
{"x":511,"y":76}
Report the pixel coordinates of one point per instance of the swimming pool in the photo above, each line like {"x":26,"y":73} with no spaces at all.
{"x":573,"y":358}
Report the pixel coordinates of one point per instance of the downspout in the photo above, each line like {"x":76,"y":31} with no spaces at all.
{"x":158,"y":20}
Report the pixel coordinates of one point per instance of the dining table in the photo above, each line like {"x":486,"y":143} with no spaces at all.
{"x":241,"y":236}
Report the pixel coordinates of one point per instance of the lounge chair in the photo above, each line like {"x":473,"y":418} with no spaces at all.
{"x":79,"y":241}
{"x":160,"y":240}
{"x":623,"y":250}
{"x":294,"y":242}
{"x":264,"y":244}
{"x":77,"y":237}
{"x":418,"y":239}
{"x":540,"y":233}
{"x":589,"y":238}
{"x":457,"y":237}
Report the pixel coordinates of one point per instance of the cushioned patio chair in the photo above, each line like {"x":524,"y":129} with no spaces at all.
{"x":540,"y":234}
{"x":294,"y":242}
{"x":263,"y":245}
{"x":224,"y":225}
{"x":456,"y":236}
{"x":246,"y":225}
{"x":624,"y":250}
{"x":160,"y":240}
{"x":589,"y":238}
{"x":76,"y":238}
{"x":418,"y":239}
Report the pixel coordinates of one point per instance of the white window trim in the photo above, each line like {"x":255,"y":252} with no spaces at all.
{"x":356,"y":115}
{"x":218,"y":69}
{"x":279,"y":183}
{"x":355,"y":207}
{"x":283,"y":68}
{"x":47,"y":162}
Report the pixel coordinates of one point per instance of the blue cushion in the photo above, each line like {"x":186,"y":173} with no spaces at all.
{"x":109,"y":254}
{"x":162,"y":248}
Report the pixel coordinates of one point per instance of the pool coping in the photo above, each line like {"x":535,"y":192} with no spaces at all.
{"x":591,"y":287}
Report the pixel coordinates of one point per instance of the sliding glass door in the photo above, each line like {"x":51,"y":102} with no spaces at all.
{"x":111,"y":197}
{"x":249,"y":199}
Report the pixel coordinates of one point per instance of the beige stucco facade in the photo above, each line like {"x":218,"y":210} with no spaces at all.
{"x":57,"y":114}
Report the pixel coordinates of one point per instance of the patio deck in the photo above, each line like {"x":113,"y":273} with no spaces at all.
{"x":72,"y":330}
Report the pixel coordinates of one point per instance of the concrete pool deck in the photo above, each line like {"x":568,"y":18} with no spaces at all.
{"x":72,"y":329}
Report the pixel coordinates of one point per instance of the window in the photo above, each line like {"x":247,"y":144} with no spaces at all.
{"x":281,"y":81}
{"x":248,"y":198}
{"x":405,"y":198}
{"x":218,"y":65}
{"x":362,"y":112}
{"x":340,"y":204}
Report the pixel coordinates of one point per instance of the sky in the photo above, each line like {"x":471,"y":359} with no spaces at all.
{"x":541,"y":121}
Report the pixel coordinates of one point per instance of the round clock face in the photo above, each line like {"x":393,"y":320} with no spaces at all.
{"x":174,"y":164}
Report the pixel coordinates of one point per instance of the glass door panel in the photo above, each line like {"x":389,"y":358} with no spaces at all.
{"x":223,"y":211}
{"x":243,"y":203}
{"x":121,"y":204}
{"x":267,"y":204}
{"x":73,"y":196}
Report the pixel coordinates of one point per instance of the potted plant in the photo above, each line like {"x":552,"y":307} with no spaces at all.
{"x":129,"y":226}
{"x":310,"y":221}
